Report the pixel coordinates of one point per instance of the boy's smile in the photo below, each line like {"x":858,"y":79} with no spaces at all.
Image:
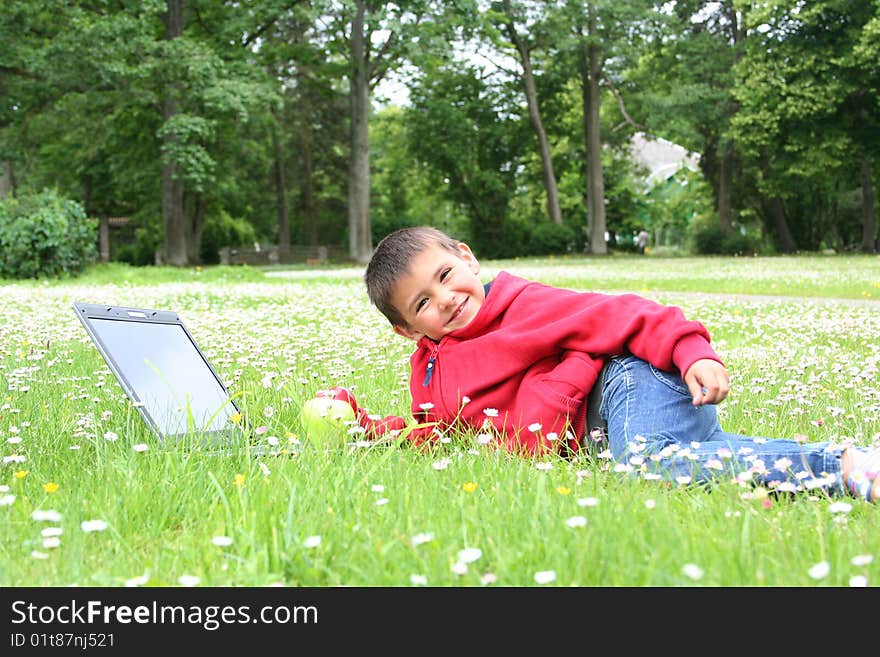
{"x":441,"y":292}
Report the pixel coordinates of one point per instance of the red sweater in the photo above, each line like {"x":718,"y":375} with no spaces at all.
{"x":529,"y":358}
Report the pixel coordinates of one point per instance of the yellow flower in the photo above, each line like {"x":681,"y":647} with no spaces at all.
{"x":469,"y":487}
{"x":236,"y":417}
{"x":562,"y":490}
{"x":50,"y":487}
{"x":20,"y":474}
{"x":239,"y":480}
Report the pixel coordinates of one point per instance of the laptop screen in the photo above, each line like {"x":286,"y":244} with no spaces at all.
{"x":164,"y":373}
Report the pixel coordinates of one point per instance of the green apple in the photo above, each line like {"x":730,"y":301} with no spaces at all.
{"x":326,"y":421}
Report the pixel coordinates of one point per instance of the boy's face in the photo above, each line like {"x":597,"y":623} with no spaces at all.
{"x":439,"y":293}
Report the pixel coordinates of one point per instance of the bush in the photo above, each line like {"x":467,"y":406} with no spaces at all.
{"x":142,"y":251}
{"x":707,"y":239}
{"x":737,"y":244}
{"x":550,"y":239}
{"x":222,"y":230}
{"x":45,"y":235}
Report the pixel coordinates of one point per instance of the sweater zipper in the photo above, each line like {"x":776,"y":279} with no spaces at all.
{"x":429,"y":371}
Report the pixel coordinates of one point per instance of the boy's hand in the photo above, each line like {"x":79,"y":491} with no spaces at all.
{"x":708,"y":381}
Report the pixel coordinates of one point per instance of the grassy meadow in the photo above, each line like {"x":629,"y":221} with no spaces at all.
{"x":88,"y":497}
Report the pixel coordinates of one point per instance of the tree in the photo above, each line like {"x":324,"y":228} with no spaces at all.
{"x":377,"y":37}
{"x":807,"y":114}
{"x":687,"y":77}
{"x":599,"y":37}
{"x":131,"y":94}
{"x":464,"y":132}
{"x":512,"y":15}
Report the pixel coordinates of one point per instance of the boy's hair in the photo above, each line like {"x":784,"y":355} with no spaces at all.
{"x":391,"y":259}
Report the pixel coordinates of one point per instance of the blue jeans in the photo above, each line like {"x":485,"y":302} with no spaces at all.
{"x":654,"y":430}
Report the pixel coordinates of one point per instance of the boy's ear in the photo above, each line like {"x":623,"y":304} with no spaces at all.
{"x":465,"y":253}
{"x":407,"y":333}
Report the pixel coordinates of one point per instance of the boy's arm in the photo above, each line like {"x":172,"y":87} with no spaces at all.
{"x":376,"y":426}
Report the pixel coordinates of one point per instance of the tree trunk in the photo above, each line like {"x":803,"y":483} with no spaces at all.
{"x":835,"y":235}
{"x":195,"y":209}
{"x":835,"y":219}
{"x":727,"y":156}
{"x":725,"y":184}
{"x":7,"y":179}
{"x":553,"y":208}
{"x":310,"y":201}
{"x":868,"y":242}
{"x":584,"y":74}
{"x":104,"y":238}
{"x":595,"y":180}
{"x":280,"y":195}
{"x":783,"y":234}
{"x":360,"y":243}
{"x":172,"y":189}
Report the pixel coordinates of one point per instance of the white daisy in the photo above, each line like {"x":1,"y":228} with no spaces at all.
{"x":93,"y":525}
{"x":820,"y":570}
{"x":188,"y":580}
{"x":140,"y":580}
{"x":469,"y":555}
{"x":49,"y":515}
{"x":545,"y":576}
{"x":692,"y":570}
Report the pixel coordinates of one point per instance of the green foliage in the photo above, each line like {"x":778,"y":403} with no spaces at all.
{"x":738,"y":244}
{"x":403,"y":194}
{"x":99,"y":99}
{"x":468,"y":134}
{"x":45,"y":234}
{"x":147,"y":240}
{"x":674,"y":205}
{"x":220,"y":231}
{"x":548,"y":238}
{"x":707,"y":238}
{"x":807,"y":121}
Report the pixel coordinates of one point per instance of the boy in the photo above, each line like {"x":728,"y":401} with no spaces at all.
{"x":526,"y":363}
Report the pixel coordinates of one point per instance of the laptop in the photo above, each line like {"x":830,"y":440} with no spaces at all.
{"x":165,"y":374}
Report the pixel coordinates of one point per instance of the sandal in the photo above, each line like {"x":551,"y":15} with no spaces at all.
{"x":860,"y":481}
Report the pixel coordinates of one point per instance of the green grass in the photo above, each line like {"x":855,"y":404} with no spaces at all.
{"x":315,"y":515}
